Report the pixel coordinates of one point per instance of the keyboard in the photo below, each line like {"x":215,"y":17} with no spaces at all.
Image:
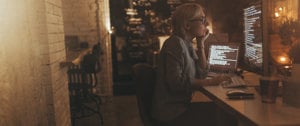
{"x":236,"y":81}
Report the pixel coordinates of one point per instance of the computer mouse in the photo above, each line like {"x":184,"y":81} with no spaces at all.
{"x":236,"y":92}
{"x":239,"y":94}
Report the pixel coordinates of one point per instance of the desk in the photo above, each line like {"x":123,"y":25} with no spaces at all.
{"x":250,"y":78}
{"x":252,"y":112}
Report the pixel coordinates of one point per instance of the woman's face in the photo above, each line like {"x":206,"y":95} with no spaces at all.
{"x":198,"y":26}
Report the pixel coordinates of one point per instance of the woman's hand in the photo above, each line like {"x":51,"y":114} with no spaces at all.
{"x":200,"y":42}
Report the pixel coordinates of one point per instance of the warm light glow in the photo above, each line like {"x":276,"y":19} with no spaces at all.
{"x":108,"y":27}
{"x":110,"y":31}
{"x":107,"y":21}
{"x":283,"y":59}
{"x":277,"y":14}
{"x":130,"y":11}
{"x":210,"y":27}
{"x":280,"y":8}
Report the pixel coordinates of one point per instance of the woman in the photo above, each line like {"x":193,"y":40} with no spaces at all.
{"x":181,"y":70}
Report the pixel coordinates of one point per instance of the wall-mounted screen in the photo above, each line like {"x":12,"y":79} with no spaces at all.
{"x":253,"y":39}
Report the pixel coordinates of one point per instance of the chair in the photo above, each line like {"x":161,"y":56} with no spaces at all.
{"x":90,"y":63}
{"x":144,"y":78}
{"x":83,"y":102}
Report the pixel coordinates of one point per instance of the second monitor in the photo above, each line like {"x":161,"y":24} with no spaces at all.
{"x":223,"y":57}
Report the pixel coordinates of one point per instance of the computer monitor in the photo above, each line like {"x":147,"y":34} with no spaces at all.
{"x":253,"y":39}
{"x":223,"y":57}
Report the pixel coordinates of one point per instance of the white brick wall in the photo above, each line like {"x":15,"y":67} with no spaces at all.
{"x":33,"y":89}
{"x":57,"y":54}
{"x":23,"y":84}
{"x":80,"y":18}
{"x":104,"y":17}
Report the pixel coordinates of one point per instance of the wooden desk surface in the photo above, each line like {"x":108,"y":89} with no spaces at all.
{"x":253,"y":111}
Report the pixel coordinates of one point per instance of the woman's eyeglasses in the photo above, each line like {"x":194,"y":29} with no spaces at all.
{"x":201,"y":19}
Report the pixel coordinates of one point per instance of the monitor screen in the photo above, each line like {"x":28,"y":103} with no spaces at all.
{"x":223,"y":57}
{"x":253,"y":38}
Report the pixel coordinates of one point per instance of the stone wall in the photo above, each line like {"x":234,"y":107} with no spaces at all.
{"x":33,"y":89}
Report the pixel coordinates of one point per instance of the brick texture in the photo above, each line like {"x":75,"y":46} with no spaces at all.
{"x":59,"y":102}
{"x":22,"y":84}
{"x":33,"y":86}
{"x":89,"y":20}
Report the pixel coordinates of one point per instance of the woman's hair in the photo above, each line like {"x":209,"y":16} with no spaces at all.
{"x":182,"y":15}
